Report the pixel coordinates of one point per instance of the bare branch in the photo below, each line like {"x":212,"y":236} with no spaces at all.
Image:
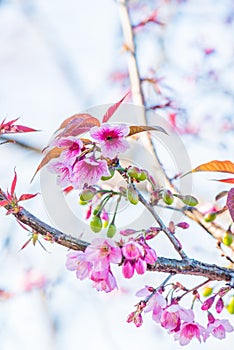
{"x":138,"y":97}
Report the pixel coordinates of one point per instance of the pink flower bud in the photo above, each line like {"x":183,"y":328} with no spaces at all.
{"x":138,"y":320}
{"x":183,"y":225}
{"x":219,"y":305}
{"x":208,"y":303}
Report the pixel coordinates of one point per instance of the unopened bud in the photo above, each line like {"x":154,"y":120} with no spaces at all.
{"x":96,"y":224}
{"x":168,"y":197}
{"x":87,"y":194}
{"x":134,"y":172}
{"x":209,"y":217}
{"x":183,"y":225}
{"x":227,"y":238}
{"x":189,"y":200}
{"x":111,"y":231}
{"x":230,"y":306}
{"x":132,"y":195}
{"x":207,"y":291}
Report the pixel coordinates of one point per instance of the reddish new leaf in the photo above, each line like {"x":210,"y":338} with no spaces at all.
{"x":230,"y":202}
{"x":53,"y":153}
{"x":111,"y":110}
{"x":78,"y":125}
{"x":77,"y":118}
{"x":228,"y":181}
{"x":27,"y":196}
{"x":135,"y":129}
{"x":3,"y":203}
{"x":13,"y":184}
{"x":10,"y":128}
{"x":224,"y":166}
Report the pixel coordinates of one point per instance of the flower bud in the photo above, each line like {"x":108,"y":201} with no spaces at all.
{"x":208,"y":303}
{"x":111,"y":231}
{"x":207,"y":291}
{"x":96,"y":224}
{"x":209,"y":217}
{"x":230,"y":306}
{"x":143,"y":176}
{"x":227,"y":238}
{"x":168,"y":197}
{"x":134,"y":172}
{"x":219,"y":305}
{"x":132,"y":195}
{"x":87,"y":194}
{"x":183,"y":225}
{"x":189,"y":200}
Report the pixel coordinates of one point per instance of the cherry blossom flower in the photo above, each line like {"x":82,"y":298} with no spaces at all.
{"x":76,"y":261}
{"x":111,"y":139}
{"x":136,"y":318}
{"x":218,"y":328}
{"x":190,"y":330}
{"x":63,"y":170}
{"x":101,"y":252}
{"x":155,"y":303}
{"x":104,"y":281}
{"x":72,"y":146}
{"x":88,"y":171}
{"x":172,"y":316}
{"x":137,"y":255}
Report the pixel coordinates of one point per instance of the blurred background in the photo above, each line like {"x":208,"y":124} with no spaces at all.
{"x":60,"y":57}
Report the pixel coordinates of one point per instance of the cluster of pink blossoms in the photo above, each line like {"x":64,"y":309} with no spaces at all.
{"x":176,"y":319}
{"x":95,"y":261}
{"x":84,"y":164}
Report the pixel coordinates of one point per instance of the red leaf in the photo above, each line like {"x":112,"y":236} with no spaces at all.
{"x":53,"y":153}
{"x":77,"y":125}
{"x":3,"y":203}
{"x":13,"y":184}
{"x":135,"y":129}
{"x":25,"y":197}
{"x":224,"y":166}
{"x":230,"y":202}
{"x":228,"y":181}
{"x":10,"y":128}
{"x":111,"y":110}
{"x":26,"y":243}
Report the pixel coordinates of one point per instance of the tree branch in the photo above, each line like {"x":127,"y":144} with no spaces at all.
{"x":138,"y":97}
{"x":185,"y":266}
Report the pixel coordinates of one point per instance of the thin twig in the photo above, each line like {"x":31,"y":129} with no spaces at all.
{"x":163,"y":227}
{"x":138,"y":97}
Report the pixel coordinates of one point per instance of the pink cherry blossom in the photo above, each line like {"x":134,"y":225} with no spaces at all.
{"x":76,"y":261}
{"x":218,"y":328}
{"x":63,"y":170}
{"x":88,"y":171}
{"x":137,"y":255}
{"x":156,"y":302}
{"x":72,"y":146}
{"x":190,"y":330}
{"x":101,"y":252}
{"x":111,"y":139}
{"x":136,"y":318}
{"x":104,"y":281}
{"x":172,"y":316}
